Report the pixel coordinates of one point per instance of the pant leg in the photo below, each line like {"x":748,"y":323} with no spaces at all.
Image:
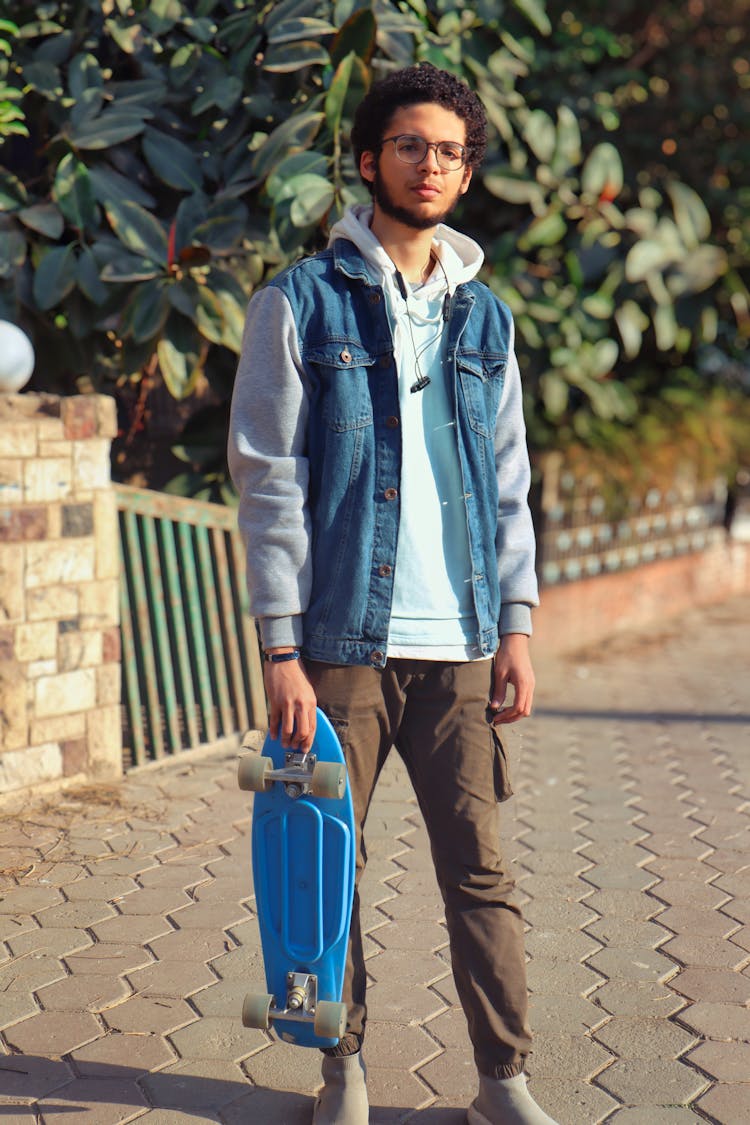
{"x":459,"y":774}
{"x":352,"y":698}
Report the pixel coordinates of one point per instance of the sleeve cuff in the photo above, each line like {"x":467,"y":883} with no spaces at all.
{"x":278,"y":631}
{"x":515,"y":617}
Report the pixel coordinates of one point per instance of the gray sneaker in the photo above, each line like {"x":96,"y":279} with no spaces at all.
{"x":506,"y":1101}
{"x":343,"y":1098}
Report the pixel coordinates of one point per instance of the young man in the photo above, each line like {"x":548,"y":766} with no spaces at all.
{"x":378,"y":444}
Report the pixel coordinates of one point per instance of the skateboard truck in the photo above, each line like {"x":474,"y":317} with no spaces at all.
{"x":302,"y":992}
{"x":300,"y":775}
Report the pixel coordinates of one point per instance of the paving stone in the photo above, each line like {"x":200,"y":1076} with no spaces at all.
{"x":149,"y":1015}
{"x":657,"y":1115}
{"x":190,"y":945}
{"x":85,"y":993}
{"x":741,"y":938}
{"x":74,"y":915}
{"x":32,"y":1076}
{"x":726,"y":1062}
{"x":29,"y":899}
{"x":717,"y":985}
{"x":727,"y":1103}
{"x":572,"y":1102}
{"x":17,"y":1112}
{"x":619,"y":931}
{"x":16,"y":1006}
{"x":174,"y":979}
{"x":624,"y":962}
{"x":711,"y":923}
{"x":390,"y":1000}
{"x":558,"y":915}
{"x":638,"y":998}
{"x":53,"y":1033}
{"x":197,"y":1084}
{"x":575,"y":1016}
{"x":28,"y":973}
{"x":718,"y":1021}
{"x":215,"y":1037}
{"x":131,"y":928}
{"x":690,"y":949}
{"x":644,"y":1038}
{"x":634,"y":1081}
{"x":282,"y":1067}
{"x":179,"y":875}
{"x":685,"y":892}
{"x":56,"y":942}
{"x":100,"y":888}
{"x":98,"y":1101}
{"x":156,"y":900}
{"x":108,"y":958}
{"x":419,"y":936}
{"x":551,"y":944}
{"x":619,"y":877}
{"x":561,"y":978}
{"x":143,"y":1053}
{"x":261,"y":1105}
{"x":558,"y":1056}
{"x":452,"y":1076}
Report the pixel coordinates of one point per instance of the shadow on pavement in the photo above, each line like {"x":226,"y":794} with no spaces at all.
{"x":641,"y":716}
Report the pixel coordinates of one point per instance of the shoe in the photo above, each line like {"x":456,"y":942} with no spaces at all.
{"x":343,"y":1099}
{"x":506,"y":1101}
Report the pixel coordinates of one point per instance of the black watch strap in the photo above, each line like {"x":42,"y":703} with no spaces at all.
{"x":281,"y":657}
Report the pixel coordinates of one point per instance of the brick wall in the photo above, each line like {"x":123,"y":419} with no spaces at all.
{"x":648,"y":597}
{"x":59,"y":620}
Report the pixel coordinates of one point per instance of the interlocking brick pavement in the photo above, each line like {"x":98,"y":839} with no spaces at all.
{"x":128,"y":934}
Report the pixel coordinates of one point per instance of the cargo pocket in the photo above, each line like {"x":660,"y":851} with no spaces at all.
{"x":503,"y":789}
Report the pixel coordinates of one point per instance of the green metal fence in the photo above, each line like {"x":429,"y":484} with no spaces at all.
{"x":192,"y":673}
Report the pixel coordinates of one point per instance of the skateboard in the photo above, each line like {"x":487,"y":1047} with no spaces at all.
{"x":303,"y":846}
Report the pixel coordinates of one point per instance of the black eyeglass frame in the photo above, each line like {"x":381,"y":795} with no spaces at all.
{"x":427,"y":146}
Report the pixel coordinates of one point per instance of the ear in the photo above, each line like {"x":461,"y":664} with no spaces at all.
{"x":368,"y":166}
{"x":465,"y":181}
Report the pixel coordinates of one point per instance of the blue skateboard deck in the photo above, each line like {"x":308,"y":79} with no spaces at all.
{"x":303,"y":849}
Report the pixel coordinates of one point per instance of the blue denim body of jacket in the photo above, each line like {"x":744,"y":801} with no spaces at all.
{"x":354,"y":448}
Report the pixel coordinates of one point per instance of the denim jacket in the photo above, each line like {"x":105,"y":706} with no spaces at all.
{"x":341,"y":461}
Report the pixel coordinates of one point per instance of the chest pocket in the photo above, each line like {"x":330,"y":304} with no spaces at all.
{"x":481,"y":378}
{"x":343,"y":371}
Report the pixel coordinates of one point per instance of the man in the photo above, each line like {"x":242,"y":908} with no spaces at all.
{"x":378,"y":444}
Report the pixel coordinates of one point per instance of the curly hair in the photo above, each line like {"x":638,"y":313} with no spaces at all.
{"x":416,"y":85}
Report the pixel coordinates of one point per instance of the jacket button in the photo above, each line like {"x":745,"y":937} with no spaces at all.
{"x":346,"y":356}
{"x":374,"y":298}
{"x":392,"y":422}
{"x":385,"y":361}
{"x":391,"y":493}
{"x":385,"y":570}
{"x":377,"y":657}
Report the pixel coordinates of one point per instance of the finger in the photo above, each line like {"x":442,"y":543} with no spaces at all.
{"x":287,"y":725}
{"x":273,"y":721}
{"x":302,"y":738}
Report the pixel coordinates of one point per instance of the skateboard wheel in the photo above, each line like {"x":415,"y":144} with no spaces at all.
{"x":328,"y":779}
{"x":255,"y":1010}
{"x":330,"y":1019}
{"x":252,"y":772}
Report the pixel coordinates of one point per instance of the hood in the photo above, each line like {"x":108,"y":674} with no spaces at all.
{"x":459,"y":255}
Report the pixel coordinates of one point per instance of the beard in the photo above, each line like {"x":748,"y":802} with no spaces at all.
{"x":382,"y":196}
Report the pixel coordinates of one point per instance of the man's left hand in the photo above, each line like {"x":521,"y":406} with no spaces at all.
{"x":512,"y":667}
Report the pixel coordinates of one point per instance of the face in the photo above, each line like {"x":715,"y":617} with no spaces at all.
{"x":418,"y":195}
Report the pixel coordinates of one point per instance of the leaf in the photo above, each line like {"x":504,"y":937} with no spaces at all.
{"x":148,"y":311}
{"x":45,"y":218}
{"x":304,"y":27}
{"x":535,"y":13}
{"x":631,"y":323}
{"x":665,"y":328}
{"x":547,"y":230}
{"x":698,"y":270}
{"x":645,"y":257}
{"x":555,"y":393}
{"x":74,"y":193}
{"x":178,"y":356}
{"x":126,"y":267}
{"x":109,"y":185}
{"x":84,"y":74}
{"x":540,"y":135}
{"x":12,"y":250}
{"x":286,"y":58}
{"x":356,"y":36}
{"x":223,"y":227}
{"x":295,"y":134}
{"x":54,"y":277}
{"x":12,"y":191}
{"x":313,"y":197}
{"x":172,"y":161}
{"x":111,"y":127}
{"x":87,"y":277}
{"x":289,"y":9}
{"x":567,"y":142}
{"x":45,"y":78}
{"x":691,"y":215}
{"x":138,"y":230}
{"x":603,"y":357}
{"x":296,"y":165}
{"x":602,"y":171}
{"x":514,"y":187}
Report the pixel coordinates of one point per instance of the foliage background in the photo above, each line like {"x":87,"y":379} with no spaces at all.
{"x":159,"y":160}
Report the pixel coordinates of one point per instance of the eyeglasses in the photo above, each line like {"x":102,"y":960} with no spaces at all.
{"x":412,"y":150}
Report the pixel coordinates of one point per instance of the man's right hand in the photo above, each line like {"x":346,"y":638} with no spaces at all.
{"x":292,"y":703}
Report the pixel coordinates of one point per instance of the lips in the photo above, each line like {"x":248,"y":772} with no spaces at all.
{"x":426,"y":191}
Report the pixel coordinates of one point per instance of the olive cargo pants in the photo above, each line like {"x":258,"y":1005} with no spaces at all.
{"x":434,"y":714}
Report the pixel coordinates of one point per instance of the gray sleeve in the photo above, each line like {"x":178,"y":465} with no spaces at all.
{"x":268,"y":464}
{"x":516,"y":545}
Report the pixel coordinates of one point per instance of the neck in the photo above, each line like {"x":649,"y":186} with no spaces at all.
{"x":409,"y":249}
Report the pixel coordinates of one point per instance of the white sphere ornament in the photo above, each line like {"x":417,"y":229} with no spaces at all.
{"x":16,"y":358}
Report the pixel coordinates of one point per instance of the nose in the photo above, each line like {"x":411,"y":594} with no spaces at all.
{"x":430,"y":157}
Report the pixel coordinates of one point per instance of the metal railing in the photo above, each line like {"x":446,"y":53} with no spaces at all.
{"x":192,"y":673}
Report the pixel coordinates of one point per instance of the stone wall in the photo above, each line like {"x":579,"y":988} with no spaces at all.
{"x":59,"y":619}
